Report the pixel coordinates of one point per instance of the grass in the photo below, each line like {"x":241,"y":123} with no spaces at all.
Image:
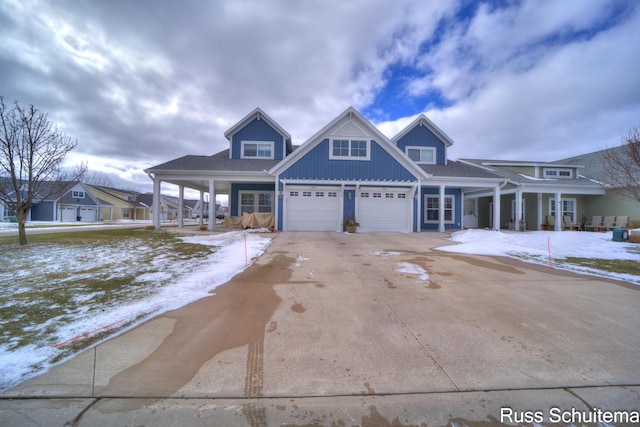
{"x":622,"y":266}
{"x":64,"y":276}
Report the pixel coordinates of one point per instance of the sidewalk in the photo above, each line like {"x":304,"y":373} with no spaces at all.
{"x":334,"y":329}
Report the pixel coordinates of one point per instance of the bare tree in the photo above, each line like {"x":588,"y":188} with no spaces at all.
{"x":100,"y":179}
{"x":622,"y":166}
{"x":31,"y":154}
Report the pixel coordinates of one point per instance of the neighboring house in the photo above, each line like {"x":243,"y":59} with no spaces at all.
{"x":531,"y":192}
{"x":347,"y":169}
{"x":66,"y":201}
{"x":613,"y":204}
{"x":119,"y":204}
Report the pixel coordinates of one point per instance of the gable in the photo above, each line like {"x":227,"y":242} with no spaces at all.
{"x":421,"y":136}
{"x":317,"y":164}
{"x":257,"y":136}
{"x":257,"y":131}
{"x":349,"y":148}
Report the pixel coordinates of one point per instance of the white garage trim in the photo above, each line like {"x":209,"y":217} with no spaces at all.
{"x":384,"y":209}
{"x":312,"y":208}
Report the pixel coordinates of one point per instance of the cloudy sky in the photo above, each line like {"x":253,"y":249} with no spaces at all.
{"x":140,"y":82}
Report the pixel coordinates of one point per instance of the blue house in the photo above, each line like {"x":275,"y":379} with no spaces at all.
{"x":347,"y":169}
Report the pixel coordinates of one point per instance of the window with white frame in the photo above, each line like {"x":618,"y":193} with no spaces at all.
{"x":432,"y":209}
{"x":255,"y":201}
{"x":568,"y":208}
{"x":349,"y":149}
{"x":77,"y":194}
{"x":257,"y":149}
{"x":425,"y":155}
{"x":557,"y":173}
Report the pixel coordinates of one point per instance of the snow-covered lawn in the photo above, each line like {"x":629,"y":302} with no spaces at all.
{"x":53,"y":293}
{"x":551,"y":248}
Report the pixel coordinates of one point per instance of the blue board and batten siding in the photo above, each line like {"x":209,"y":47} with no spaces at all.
{"x":235,"y":194}
{"x":421,"y":136}
{"x":43,"y":211}
{"x":435,"y":191}
{"x":257,"y":130}
{"x":316,"y":165}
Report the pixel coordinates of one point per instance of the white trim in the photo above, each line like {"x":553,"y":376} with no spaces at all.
{"x":547,"y":173}
{"x":423,"y":120}
{"x":256,"y":204}
{"x":325,"y":133}
{"x":271,"y":144}
{"x":350,"y":141}
{"x":433,"y":150}
{"x":562,"y":200}
{"x":437,"y":197}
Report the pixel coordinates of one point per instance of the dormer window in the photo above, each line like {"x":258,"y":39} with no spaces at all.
{"x":558,"y":173}
{"x":426,"y":155}
{"x":77,"y":194}
{"x":257,"y":149}
{"x":349,"y":149}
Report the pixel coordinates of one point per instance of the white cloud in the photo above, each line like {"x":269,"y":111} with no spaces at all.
{"x":147,"y":81}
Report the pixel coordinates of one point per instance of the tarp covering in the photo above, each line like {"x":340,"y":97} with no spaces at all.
{"x":253,"y":220}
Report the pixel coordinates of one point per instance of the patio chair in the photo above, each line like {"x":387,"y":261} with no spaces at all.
{"x":595,"y":224}
{"x":567,"y":222}
{"x":551,"y":223}
{"x":609,"y":223}
{"x":621,"y":222}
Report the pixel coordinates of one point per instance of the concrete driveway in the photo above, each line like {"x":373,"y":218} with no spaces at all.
{"x":332,"y":329}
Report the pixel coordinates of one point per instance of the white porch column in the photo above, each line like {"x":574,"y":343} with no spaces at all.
{"x":201,"y":214}
{"x":181,"y":206}
{"x":441,"y":227}
{"x":212,"y":204}
{"x":539,"y":213}
{"x":496,"y":208}
{"x":156,"y":203}
{"x":461,"y":210}
{"x":518,"y":212}
{"x":558,"y":199}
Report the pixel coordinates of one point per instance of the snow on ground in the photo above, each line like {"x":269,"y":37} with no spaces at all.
{"x":548,"y":247}
{"x":407,"y":267}
{"x":169,"y":284}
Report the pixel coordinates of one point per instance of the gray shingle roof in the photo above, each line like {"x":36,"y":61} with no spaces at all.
{"x":523,"y":179}
{"x":217,"y":162}
{"x":457,"y":169}
{"x":594,"y":164}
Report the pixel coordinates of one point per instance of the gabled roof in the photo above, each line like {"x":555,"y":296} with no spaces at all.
{"x":261,"y":115}
{"x":353,"y":115}
{"x":594,"y":163}
{"x":422,"y":120}
{"x":524,"y":163}
{"x":494,"y":166}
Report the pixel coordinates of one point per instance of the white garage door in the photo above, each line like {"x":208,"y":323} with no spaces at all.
{"x":312,"y":209}
{"x":384,"y":210}
{"x":69,"y":214}
{"x":87,"y":214}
